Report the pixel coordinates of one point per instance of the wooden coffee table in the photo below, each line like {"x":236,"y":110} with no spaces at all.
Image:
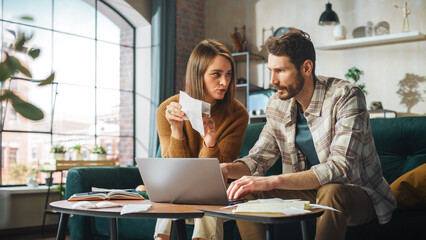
{"x":178,"y":212}
{"x":268,"y":219}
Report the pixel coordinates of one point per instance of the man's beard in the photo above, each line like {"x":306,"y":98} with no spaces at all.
{"x":291,"y":91}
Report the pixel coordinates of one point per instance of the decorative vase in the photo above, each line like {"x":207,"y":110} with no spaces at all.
{"x":49,"y":181}
{"x":339,"y":32}
{"x":97,"y":156}
{"x":77,"y":156}
{"x":32,"y":182}
{"x":57,"y":156}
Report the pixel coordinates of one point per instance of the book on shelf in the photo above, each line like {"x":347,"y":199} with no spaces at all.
{"x":125,"y":194}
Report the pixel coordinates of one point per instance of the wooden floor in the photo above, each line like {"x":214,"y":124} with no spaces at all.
{"x":30,"y":234}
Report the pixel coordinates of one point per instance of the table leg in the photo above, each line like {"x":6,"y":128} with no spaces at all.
{"x":62,"y":228}
{"x":304,"y":226}
{"x":178,"y":231}
{"x":270,"y":231}
{"x":46,"y":203}
{"x":113,"y":228}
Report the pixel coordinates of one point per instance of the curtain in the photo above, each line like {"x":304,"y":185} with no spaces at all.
{"x":162,"y":61}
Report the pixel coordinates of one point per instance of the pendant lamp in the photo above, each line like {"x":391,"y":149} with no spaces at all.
{"x":328,"y":17}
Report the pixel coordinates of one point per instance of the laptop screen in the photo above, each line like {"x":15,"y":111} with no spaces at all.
{"x":183,"y":180}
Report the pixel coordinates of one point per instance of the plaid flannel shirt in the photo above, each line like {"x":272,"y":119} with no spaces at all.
{"x":339,"y":122}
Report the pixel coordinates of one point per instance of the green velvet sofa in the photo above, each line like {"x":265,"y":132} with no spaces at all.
{"x":400,"y":142}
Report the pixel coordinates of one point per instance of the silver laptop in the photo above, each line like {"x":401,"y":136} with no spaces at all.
{"x":183,"y":180}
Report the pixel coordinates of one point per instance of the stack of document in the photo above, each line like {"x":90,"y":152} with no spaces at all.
{"x":278,"y":205}
{"x":273,"y":205}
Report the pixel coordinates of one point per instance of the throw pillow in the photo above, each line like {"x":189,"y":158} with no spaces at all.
{"x":410,"y":189}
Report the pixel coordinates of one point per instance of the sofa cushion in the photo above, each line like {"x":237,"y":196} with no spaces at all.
{"x":410,"y":189}
{"x":400,"y":143}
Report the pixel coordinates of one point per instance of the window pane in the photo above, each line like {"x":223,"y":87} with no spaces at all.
{"x":74,"y":110}
{"x":108,"y":65}
{"x":93,"y":91}
{"x":111,"y":146}
{"x":40,"y":11}
{"x":41,"y":97}
{"x":119,"y":148}
{"x":114,"y":113}
{"x":114,"y":67}
{"x":21,"y":154}
{"x":68,"y":141}
{"x":108,"y":112}
{"x":74,"y":59}
{"x":76,"y":17}
{"x":41,"y":66}
{"x":111,"y":27}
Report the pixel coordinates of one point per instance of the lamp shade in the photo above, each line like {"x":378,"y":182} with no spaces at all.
{"x":328,"y":17}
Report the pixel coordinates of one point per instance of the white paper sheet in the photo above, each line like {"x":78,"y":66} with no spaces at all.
{"x":92,"y":205}
{"x":322,"y":206}
{"x":134,"y":208}
{"x":293,"y":211}
{"x":194,"y":109}
{"x":272,"y":206}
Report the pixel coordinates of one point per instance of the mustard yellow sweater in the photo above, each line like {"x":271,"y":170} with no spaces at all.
{"x":230,"y":129}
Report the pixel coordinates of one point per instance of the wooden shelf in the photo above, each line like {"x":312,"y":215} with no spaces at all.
{"x":372,"y":41}
{"x":68,"y":164}
{"x":242,"y":56}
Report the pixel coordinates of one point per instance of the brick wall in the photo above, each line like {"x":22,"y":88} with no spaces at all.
{"x":189,"y":32}
{"x":125,"y":145}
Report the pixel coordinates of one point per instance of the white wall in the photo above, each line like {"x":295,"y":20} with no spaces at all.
{"x":25,"y":207}
{"x":383,"y":66}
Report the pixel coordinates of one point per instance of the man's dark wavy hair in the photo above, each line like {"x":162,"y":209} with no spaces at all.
{"x":296,"y":45}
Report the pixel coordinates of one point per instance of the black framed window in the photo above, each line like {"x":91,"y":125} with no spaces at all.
{"x":92,"y":99}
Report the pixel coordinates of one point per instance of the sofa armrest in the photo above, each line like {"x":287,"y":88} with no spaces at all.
{"x":87,"y":228}
{"x":83,"y":179}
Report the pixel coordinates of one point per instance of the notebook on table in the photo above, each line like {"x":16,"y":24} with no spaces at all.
{"x":183,"y":180}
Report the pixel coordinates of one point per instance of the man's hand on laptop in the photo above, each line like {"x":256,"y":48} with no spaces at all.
{"x":249,"y":185}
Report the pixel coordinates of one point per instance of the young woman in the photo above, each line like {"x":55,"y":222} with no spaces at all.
{"x":210,"y":77}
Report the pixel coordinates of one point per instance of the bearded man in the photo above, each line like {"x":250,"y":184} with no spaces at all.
{"x":320,"y":128}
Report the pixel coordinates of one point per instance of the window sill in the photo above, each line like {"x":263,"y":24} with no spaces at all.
{"x":28,"y":190}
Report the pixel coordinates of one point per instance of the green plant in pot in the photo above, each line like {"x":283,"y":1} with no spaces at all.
{"x":98,"y":153}
{"x":355,"y":74}
{"x":77,"y":154}
{"x":57,"y":152}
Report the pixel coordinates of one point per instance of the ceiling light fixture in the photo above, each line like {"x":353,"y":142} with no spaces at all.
{"x":328,"y":17}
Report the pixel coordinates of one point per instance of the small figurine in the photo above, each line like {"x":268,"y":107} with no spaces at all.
{"x":240,"y":43}
{"x":405,"y":12}
{"x":369,"y":29}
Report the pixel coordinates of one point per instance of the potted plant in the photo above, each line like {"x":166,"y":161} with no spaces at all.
{"x":57,"y":152}
{"x":77,"y":154}
{"x":355,"y":74}
{"x":98,"y":153}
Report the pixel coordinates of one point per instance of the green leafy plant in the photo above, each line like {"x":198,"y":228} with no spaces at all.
{"x":98,"y":149}
{"x":355,"y":74}
{"x":11,"y":66}
{"x":57,"y":149}
{"x":76,"y":148}
{"x":61,"y":188}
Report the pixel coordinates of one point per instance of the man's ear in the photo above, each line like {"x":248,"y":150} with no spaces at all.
{"x":307,"y":67}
